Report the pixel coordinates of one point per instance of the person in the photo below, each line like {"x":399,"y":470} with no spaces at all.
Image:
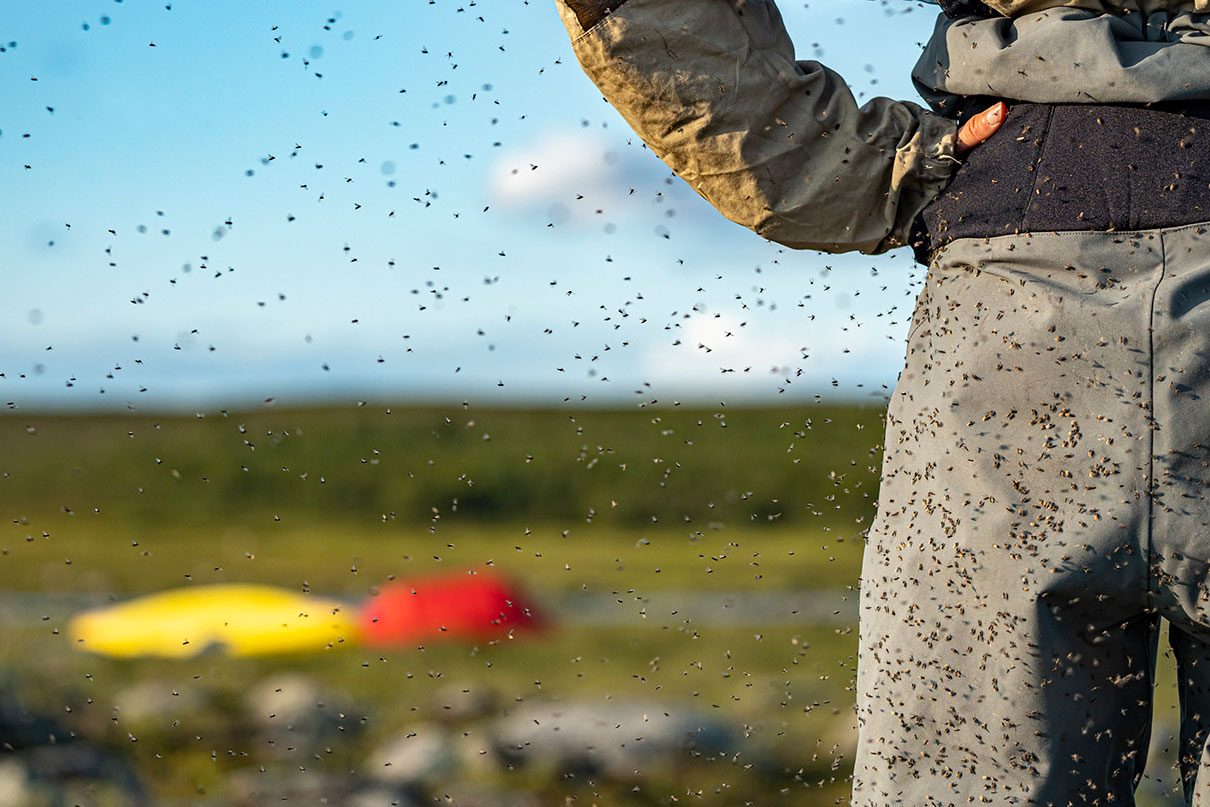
{"x":1043,"y":498}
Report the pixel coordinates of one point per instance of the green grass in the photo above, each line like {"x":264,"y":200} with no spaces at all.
{"x":90,"y":553}
{"x":694,"y":469}
{"x":621,"y":505}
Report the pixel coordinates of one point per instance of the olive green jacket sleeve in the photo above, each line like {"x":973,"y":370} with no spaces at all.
{"x":776,"y":145}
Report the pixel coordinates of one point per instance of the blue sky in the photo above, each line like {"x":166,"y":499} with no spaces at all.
{"x":231,"y":202}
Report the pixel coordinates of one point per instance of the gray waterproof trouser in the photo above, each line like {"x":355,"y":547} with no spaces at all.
{"x":1043,"y":503}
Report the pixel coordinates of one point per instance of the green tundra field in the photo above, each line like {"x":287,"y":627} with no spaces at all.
{"x":697,"y":564}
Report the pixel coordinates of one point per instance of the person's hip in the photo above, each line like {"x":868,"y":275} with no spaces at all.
{"x":1078,"y":167}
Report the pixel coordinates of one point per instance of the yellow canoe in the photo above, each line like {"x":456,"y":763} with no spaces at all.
{"x":238,"y":620}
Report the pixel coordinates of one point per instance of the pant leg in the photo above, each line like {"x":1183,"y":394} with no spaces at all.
{"x":1193,"y":683}
{"x":1007,"y":625}
{"x":1179,"y":544}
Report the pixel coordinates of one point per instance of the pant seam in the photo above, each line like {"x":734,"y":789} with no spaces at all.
{"x":1027,"y":235}
{"x":1151,"y":420}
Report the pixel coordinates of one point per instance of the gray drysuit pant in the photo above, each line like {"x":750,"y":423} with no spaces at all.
{"x":1043,"y":503}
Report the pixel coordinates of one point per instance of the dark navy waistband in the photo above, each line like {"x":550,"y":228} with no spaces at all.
{"x":1055,"y":167}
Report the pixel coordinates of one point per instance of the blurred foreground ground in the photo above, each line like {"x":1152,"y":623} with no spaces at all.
{"x":699,"y":568}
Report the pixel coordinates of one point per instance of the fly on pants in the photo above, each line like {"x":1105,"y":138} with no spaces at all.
{"x":1043,"y":503}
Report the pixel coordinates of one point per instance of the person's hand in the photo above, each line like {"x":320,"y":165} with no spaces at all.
{"x":980,"y":128}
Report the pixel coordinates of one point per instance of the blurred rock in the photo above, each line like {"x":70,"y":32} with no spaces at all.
{"x":381,"y":796}
{"x":464,"y":794}
{"x":289,"y":698}
{"x":463,"y":702}
{"x":44,"y":762}
{"x":255,"y":787}
{"x":154,"y":705}
{"x":292,"y":713}
{"x":424,"y":754}
{"x":16,"y":790}
{"x":610,"y":739}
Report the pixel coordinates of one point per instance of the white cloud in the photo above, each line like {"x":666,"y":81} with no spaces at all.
{"x":587,"y":177}
{"x":710,"y":346}
{"x":761,"y":357}
{"x":556,"y":167}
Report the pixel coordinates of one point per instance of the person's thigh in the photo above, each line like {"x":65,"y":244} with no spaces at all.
{"x":1007,"y":634}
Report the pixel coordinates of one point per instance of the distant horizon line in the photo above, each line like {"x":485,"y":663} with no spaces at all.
{"x":65,"y":408}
